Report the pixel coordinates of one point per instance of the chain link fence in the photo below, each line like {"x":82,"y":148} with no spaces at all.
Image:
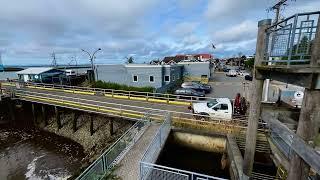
{"x":115,"y":153}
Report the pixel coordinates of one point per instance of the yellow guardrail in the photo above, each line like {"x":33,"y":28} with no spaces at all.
{"x":119,"y":94}
{"x":84,"y":106}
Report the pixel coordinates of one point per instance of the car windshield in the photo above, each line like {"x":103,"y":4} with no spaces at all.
{"x":212,"y":103}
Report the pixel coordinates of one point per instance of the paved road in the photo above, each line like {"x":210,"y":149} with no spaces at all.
{"x":224,"y":86}
{"x":100,"y":100}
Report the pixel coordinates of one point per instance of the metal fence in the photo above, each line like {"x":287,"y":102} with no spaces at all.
{"x":151,"y":171}
{"x":281,"y":144}
{"x":290,"y":41}
{"x":114,"y":153}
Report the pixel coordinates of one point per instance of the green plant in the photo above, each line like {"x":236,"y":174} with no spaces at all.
{"x":116,"y":86}
{"x":249,"y":63}
{"x":109,"y":175}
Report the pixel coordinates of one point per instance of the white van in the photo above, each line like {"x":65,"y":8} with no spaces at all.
{"x":70,"y":72}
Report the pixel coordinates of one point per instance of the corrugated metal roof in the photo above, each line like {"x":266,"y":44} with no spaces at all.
{"x":35,"y":70}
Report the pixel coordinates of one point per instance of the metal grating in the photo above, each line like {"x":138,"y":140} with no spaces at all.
{"x":289,"y":42}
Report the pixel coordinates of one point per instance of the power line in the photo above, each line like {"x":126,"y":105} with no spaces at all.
{"x":277,"y":8}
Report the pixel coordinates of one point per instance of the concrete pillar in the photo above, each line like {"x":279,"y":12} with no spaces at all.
{"x":255,"y":100}
{"x":111,"y":126}
{"x":44,"y":115}
{"x":34,"y":115}
{"x":309,"y":115}
{"x":12,"y":111}
{"x":74,"y":119}
{"x":91,"y":124}
{"x":58,"y":120}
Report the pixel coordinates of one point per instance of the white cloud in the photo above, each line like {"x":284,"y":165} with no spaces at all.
{"x":225,"y":9}
{"x":239,"y":32}
{"x":183,"y":29}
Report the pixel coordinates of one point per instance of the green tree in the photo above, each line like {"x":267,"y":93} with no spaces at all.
{"x":130,"y":60}
{"x":249,"y":63}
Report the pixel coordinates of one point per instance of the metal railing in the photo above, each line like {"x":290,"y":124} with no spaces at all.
{"x":151,"y":171}
{"x":121,"y":94}
{"x":126,"y":111}
{"x":289,"y":41}
{"x":281,"y":144}
{"x":113,"y":154}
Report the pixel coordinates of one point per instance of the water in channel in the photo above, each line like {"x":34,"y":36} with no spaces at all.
{"x":34,"y":154}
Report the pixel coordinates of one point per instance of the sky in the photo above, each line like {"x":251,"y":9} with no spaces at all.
{"x":144,"y":29}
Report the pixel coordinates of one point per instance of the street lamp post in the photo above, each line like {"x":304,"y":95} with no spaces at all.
{"x":91,"y":56}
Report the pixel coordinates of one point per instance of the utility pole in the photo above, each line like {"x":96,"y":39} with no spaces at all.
{"x":1,"y":64}
{"x":91,"y":58}
{"x":54,"y":60}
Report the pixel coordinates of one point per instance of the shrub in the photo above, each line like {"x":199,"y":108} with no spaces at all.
{"x":116,"y":86}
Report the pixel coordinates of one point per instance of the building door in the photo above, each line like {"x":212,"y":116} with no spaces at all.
{"x":25,"y":77}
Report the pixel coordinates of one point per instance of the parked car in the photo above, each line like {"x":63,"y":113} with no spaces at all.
{"x":219,"y":108}
{"x":232,"y":73}
{"x":197,"y":86}
{"x":242,"y":73}
{"x":248,"y":77}
{"x":226,"y":69}
{"x":185,"y":93}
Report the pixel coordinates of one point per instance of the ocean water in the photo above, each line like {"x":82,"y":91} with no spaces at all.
{"x":10,"y":75}
{"x":37,"y":156}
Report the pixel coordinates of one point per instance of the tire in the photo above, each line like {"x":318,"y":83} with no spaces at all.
{"x":204,"y":118}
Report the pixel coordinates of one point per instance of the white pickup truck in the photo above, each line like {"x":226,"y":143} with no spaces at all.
{"x":220,"y":108}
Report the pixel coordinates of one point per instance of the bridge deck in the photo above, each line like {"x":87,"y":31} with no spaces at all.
{"x":129,"y":165}
{"x":98,"y":99}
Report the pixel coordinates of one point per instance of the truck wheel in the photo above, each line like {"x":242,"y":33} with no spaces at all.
{"x":204,"y":117}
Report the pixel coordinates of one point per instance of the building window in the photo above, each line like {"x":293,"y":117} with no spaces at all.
{"x":173,"y":78}
{"x":151,"y":78}
{"x":135,"y":78}
{"x":167,"y":78}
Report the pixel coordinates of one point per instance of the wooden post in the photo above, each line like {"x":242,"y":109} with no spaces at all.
{"x":309,"y":116}
{"x":111,"y":126}
{"x":255,"y":99}
{"x":44,"y":117}
{"x":34,"y":117}
{"x":91,"y":124}
{"x":75,"y":118}
{"x":57,"y":114}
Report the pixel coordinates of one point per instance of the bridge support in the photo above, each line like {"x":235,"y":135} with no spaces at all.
{"x":11,"y":111}
{"x":34,"y":115}
{"x":44,"y":116}
{"x":255,"y":100}
{"x":91,"y":124}
{"x":111,"y":126}
{"x":74,"y":120}
{"x":58,"y":120}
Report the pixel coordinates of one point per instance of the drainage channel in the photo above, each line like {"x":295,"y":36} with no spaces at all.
{"x":165,"y":159}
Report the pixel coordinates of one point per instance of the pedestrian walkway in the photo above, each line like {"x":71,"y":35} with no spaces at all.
{"x":129,"y":165}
